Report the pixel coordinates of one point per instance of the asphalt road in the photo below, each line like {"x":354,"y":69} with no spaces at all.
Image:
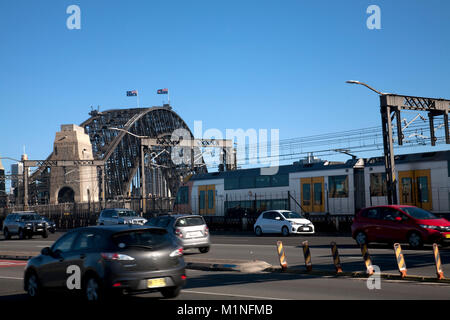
{"x":246,"y":246}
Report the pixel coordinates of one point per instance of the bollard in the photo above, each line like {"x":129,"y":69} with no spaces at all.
{"x":336,"y":259}
{"x":400,"y":259}
{"x":367,"y":260}
{"x":437,"y":259}
{"x":281,"y":256}
{"x":307,"y":255}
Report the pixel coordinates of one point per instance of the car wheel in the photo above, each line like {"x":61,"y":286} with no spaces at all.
{"x":171,"y":292}
{"x":415,"y":241}
{"x":6,"y":234}
{"x":258,"y":231}
{"x":33,"y":286}
{"x":361,"y":238}
{"x":92,"y":289}
{"x":21,"y":234}
{"x":203,"y":249}
{"x":45,"y":235}
{"x":29,"y":236}
{"x":285,"y":231}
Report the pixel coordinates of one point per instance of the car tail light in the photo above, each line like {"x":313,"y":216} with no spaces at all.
{"x":177,"y":253}
{"x":206,"y":231}
{"x":179,"y":233}
{"x":116,"y":256}
{"x":117,"y":284}
{"x":183,"y":277}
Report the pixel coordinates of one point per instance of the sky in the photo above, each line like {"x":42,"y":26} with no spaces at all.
{"x":261,"y":64}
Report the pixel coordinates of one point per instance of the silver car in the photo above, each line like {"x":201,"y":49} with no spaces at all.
{"x":190,"y":231}
{"x":25,"y":225}
{"x":119,"y":216}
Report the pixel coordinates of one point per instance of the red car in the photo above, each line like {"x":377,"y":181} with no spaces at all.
{"x":399,"y":223}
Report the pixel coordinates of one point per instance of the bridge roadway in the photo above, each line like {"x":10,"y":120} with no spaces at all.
{"x":268,"y":285}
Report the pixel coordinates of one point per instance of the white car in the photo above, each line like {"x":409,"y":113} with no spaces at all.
{"x":282,"y":221}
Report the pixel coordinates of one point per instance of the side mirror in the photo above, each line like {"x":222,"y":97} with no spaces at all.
{"x":46,"y":251}
{"x":277,"y":218}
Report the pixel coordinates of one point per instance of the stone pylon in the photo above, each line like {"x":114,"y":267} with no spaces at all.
{"x":73,"y":184}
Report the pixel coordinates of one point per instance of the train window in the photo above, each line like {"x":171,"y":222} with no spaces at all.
{"x":246,"y":182}
{"x":262,"y":181}
{"x":202,"y":199}
{"x":279,"y":180}
{"x":338,"y":186}
{"x":210,"y":199}
{"x":317,"y":193}
{"x":378,"y":186}
{"x":422,"y":187}
{"x":231,"y":183}
{"x":306,"y":194}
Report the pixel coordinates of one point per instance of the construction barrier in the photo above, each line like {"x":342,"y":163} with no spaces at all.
{"x":437,"y":259}
{"x":400,"y":259}
{"x":336,"y":259}
{"x":281,"y":255}
{"x":307,"y":255}
{"x":367,"y":260}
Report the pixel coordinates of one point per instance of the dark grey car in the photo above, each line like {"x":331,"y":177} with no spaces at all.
{"x":24,"y":224}
{"x":109,"y":259}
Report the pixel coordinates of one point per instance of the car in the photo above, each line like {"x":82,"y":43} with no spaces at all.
{"x":282,"y":221}
{"x":109,"y":261}
{"x":51,"y":225}
{"x":399,"y":223}
{"x":119,"y":216}
{"x":190,"y":231}
{"x":24,"y":224}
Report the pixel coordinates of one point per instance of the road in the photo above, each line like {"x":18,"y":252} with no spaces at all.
{"x":211,"y":285}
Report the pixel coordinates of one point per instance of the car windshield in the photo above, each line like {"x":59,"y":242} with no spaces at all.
{"x":126,"y":213}
{"x":189,"y":222}
{"x":140,"y":238}
{"x":29,"y":217}
{"x":291,"y":215}
{"x":419,"y":213}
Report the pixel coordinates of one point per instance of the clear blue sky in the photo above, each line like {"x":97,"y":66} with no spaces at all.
{"x":232,"y":64}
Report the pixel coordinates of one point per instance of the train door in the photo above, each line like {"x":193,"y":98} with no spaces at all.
{"x":312,"y":194}
{"x":415,"y":188}
{"x":207,"y":199}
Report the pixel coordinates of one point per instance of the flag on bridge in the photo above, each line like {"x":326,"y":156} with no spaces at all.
{"x":132,"y":93}
{"x":162,"y":91}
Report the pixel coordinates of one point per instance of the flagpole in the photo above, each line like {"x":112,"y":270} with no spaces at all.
{"x":137,"y":96}
{"x":168,"y":97}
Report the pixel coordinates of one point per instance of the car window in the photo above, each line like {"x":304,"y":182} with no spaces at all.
{"x":419,"y":213}
{"x":126,"y":213}
{"x":189,"y":222}
{"x":163,"y":222}
{"x":64,"y":244}
{"x":146,"y":238}
{"x":267,"y":215}
{"x":372,"y":213}
{"x":276,"y":215}
{"x":87,"y":240}
{"x":291,"y":215}
{"x":391,"y":214}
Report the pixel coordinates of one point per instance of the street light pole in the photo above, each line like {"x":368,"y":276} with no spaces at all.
{"x":389,"y":159}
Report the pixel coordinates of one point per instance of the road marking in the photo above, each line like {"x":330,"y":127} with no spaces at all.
{"x":11,"y":263}
{"x":232,"y":295}
{"x":11,"y":278}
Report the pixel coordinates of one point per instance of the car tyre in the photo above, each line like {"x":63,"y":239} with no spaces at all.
{"x":171,"y":292}
{"x":33,"y":286}
{"x":6,"y":234}
{"x":45,"y":234}
{"x":21,"y":234}
{"x":361,"y":238}
{"x":285,"y":231}
{"x":415,"y":240}
{"x":92,"y":289}
{"x":258,"y":231}
{"x":203,"y":249}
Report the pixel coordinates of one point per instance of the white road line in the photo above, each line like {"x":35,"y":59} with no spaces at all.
{"x":11,"y":278}
{"x":232,"y":295}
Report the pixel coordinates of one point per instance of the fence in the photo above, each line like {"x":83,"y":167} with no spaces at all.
{"x":74,"y":215}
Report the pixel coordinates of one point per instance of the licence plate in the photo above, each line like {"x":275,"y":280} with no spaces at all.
{"x":194,"y":234}
{"x":306,"y":229}
{"x":156,"y":283}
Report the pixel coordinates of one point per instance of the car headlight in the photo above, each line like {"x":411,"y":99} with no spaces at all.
{"x":428,"y":227}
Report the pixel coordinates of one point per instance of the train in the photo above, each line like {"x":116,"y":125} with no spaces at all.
{"x":318,"y":187}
